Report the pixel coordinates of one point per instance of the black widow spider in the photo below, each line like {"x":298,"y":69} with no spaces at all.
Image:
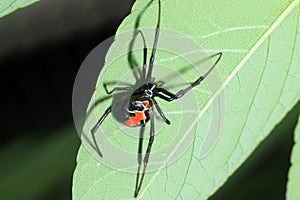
{"x":139,"y":109}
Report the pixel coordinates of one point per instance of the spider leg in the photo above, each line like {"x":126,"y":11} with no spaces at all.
{"x":143,"y":76}
{"x":95,"y":128}
{"x":149,"y":74}
{"x":170,"y":96}
{"x":165,"y":94}
{"x":117,"y":89}
{"x":139,"y":156}
{"x":148,"y":151}
{"x":161,"y":113}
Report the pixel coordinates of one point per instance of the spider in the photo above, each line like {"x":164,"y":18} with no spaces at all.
{"x":139,"y":109}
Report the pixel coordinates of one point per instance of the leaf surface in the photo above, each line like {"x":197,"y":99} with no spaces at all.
{"x":8,"y":6}
{"x":260,"y":73}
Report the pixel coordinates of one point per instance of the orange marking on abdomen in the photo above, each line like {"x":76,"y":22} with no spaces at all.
{"x":146,"y":104}
{"x":135,"y":120}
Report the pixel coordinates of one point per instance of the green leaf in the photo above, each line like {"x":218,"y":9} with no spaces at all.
{"x":294,"y":175}
{"x":260,"y":76}
{"x":8,"y":6}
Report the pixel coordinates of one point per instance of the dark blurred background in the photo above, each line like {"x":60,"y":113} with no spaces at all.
{"x":41,"y":49}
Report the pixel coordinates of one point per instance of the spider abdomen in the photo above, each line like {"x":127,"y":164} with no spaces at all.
{"x":138,"y":110}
